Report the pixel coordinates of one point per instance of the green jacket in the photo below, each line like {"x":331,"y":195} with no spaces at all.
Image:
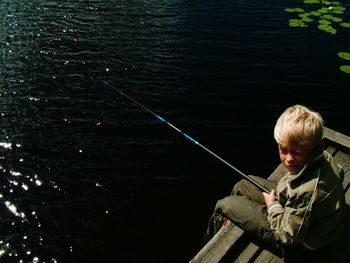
{"x":310,"y":204}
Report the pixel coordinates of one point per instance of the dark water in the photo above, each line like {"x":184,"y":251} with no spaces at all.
{"x":87,"y":176}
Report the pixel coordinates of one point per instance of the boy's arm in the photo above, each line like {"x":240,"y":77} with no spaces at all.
{"x":288,"y":223}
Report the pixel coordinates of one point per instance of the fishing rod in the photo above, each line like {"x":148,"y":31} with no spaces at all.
{"x":261,"y":187}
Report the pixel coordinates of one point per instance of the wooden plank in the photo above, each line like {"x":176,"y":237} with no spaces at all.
{"x":331,"y":150}
{"x":346,"y":181}
{"x":342,"y":141}
{"x":247,"y":254}
{"x":218,"y":246}
{"x":343,"y":159}
{"x":267,"y":256}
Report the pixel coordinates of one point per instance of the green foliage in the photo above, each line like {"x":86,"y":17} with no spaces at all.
{"x":329,"y":17}
{"x":345,"y":24}
{"x":344,"y":55}
{"x":324,"y":14}
{"x":336,"y":12}
{"x":327,"y":28}
{"x":323,"y":10}
{"x":345,"y":68}
{"x":338,"y":8}
{"x":332,"y":18}
{"x":337,"y":19}
{"x":324,"y":22}
{"x":305,"y":17}
{"x":315,"y":13}
{"x":294,"y":10}
{"x":296,"y":23}
{"x":310,"y":2}
{"x":327,"y":14}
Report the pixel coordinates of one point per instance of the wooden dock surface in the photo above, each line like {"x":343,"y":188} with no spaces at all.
{"x":232,"y":244}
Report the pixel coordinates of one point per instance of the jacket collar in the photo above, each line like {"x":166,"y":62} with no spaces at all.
{"x":316,"y":155}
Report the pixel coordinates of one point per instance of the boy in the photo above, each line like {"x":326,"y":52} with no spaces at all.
{"x":306,"y":209}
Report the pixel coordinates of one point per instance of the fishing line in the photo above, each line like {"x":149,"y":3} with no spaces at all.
{"x":261,"y":187}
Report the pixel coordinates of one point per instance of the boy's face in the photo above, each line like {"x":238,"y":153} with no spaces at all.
{"x":294,"y":156}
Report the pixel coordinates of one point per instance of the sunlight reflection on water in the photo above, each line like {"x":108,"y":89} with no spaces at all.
{"x":14,"y":183}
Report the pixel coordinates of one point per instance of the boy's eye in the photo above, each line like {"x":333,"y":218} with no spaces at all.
{"x":294,"y":152}
{"x":283,"y":150}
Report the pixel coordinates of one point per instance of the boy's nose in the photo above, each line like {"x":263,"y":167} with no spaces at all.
{"x":290,"y":157}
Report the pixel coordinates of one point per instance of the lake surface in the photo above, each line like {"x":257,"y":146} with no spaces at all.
{"x":87,"y":176}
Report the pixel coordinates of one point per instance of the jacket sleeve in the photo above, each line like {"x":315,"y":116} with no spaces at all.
{"x":289,"y":223}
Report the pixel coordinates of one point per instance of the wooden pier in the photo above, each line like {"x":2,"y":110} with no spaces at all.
{"x":232,"y":244}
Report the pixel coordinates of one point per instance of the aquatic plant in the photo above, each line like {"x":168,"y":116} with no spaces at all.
{"x":294,"y":10}
{"x":296,"y":23}
{"x":310,"y":2}
{"x":327,"y":28}
{"x":345,"y":24}
{"x":345,"y":68}
{"x":325,"y":15}
{"x":345,"y":56}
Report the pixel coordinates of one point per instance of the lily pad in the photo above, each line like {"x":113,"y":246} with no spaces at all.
{"x":335,"y":3}
{"x":345,"y":68}
{"x":310,"y":2}
{"x":296,"y":23}
{"x":327,"y":28}
{"x":315,"y":13}
{"x":339,"y":8}
{"x":336,"y":12}
{"x":336,"y":19}
{"x":345,"y":24}
{"x":304,"y":15}
{"x":307,"y":19}
{"x":289,"y":10}
{"x":323,"y":10}
{"x":299,"y":10}
{"x":294,"y":10}
{"x":333,"y":18}
{"x":324,"y":22}
{"x":344,"y":55}
{"x":329,"y":17}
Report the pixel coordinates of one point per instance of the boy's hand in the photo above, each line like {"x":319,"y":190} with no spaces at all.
{"x":269,"y":198}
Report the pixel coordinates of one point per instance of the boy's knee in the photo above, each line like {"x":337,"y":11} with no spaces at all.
{"x":228,"y":205}
{"x":222,"y":204}
{"x":239,"y":187}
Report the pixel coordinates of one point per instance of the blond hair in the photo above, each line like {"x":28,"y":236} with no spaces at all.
{"x":300,"y":125}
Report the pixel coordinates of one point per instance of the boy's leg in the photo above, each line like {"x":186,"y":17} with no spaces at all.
{"x":248,"y":214}
{"x":243,"y":196}
{"x":216,"y":221}
{"x":245,"y":188}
